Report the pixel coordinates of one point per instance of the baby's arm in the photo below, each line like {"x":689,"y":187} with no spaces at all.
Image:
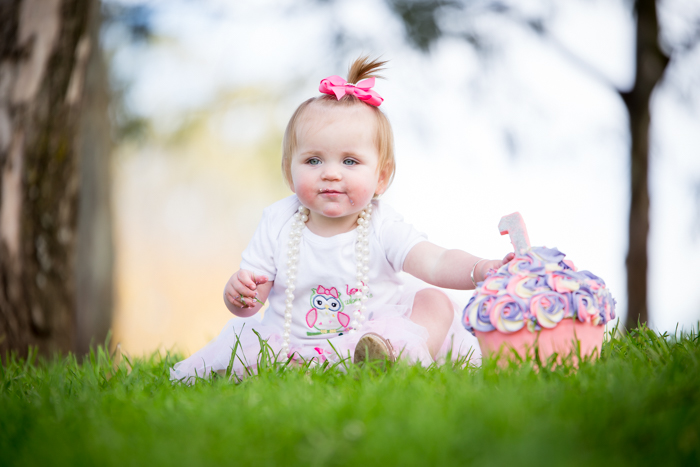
{"x":450,"y":269}
{"x":245,"y":293}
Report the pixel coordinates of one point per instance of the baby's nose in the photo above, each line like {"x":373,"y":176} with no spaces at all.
{"x":331,"y":173}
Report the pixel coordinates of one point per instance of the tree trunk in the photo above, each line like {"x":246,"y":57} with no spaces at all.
{"x":650,"y":66}
{"x":44,"y":49}
{"x":95,"y":252}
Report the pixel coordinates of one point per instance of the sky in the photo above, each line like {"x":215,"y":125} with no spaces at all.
{"x":533,"y":126}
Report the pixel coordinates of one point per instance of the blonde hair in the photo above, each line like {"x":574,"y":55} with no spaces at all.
{"x":360,"y":69}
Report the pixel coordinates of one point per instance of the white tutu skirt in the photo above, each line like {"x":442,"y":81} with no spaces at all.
{"x":407,"y":338}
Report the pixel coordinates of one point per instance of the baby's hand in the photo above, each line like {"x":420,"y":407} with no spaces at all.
{"x":241,"y":288}
{"x":485,"y":266}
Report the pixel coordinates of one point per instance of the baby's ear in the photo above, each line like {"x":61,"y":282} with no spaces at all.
{"x":383,"y":182}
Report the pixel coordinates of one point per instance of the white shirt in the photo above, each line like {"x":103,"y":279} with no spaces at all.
{"x":327,"y":269}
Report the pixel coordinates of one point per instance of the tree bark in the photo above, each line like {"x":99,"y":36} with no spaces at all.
{"x":44,"y":49}
{"x":650,"y":67}
{"x":94,"y":251}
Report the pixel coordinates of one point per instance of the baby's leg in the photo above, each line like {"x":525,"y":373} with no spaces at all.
{"x":433,"y":310}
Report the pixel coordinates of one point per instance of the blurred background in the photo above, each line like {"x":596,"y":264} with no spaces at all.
{"x":492,"y":112}
{"x":497,"y":106}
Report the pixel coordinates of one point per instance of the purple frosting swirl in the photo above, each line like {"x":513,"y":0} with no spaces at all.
{"x":481,"y":320}
{"x":526,"y":265}
{"x":548,"y":308}
{"x":548,"y":255}
{"x":507,"y":313}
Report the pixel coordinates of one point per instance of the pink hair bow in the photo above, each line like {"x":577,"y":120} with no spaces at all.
{"x":332,"y":291}
{"x":335,"y":85}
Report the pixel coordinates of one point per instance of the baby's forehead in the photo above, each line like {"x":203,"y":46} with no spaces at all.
{"x":321,"y":113}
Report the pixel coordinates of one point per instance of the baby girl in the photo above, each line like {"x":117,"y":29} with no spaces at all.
{"x":328,"y":257}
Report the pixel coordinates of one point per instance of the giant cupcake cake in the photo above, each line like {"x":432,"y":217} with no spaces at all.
{"x":539,"y":299}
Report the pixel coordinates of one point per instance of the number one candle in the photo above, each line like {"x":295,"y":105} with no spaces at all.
{"x":514,"y":225}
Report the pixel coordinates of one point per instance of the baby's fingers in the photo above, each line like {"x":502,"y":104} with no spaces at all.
{"x":235,"y":297}
{"x":508,"y":258}
{"x":260,"y":280}
{"x":250,"y":280}
{"x":237,"y":300}
{"x":243,"y":301}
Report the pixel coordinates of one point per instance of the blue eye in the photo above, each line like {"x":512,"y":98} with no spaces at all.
{"x":350,"y":162}
{"x":313,"y":161}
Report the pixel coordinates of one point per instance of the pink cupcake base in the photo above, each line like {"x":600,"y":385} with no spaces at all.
{"x":560,"y":339}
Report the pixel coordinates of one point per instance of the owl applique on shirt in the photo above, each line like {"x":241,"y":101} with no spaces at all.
{"x":326,"y":314}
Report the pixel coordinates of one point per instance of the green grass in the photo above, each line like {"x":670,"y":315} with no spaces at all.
{"x":639,"y":404}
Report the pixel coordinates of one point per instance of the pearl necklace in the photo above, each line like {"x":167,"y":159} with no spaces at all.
{"x":361,"y":260}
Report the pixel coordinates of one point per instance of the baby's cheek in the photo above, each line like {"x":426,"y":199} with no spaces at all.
{"x":365,"y":194}
{"x":305,"y":192}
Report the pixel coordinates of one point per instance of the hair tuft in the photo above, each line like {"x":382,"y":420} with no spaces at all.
{"x":363,"y":68}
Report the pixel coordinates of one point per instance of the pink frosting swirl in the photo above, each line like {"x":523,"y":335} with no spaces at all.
{"x":548,"y":308}
{"x":586,"y":306}
{"x":564,"y":281}
{"x":507,"y":314}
